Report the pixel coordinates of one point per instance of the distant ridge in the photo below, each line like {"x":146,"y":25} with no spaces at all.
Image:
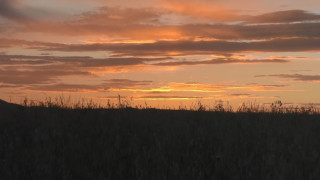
{"x":6,"y":104}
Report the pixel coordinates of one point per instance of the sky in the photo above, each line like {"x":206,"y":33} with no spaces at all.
{"x":164,"y":53}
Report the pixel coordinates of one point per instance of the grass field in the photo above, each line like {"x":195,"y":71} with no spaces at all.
{"x":91,"y":143}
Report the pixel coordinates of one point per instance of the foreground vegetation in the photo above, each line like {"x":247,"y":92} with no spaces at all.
{"x":55,"y":142}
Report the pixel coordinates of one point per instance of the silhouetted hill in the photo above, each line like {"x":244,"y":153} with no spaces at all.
{"x":4,"y":104}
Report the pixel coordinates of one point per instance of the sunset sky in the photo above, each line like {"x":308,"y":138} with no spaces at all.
{"x":167,"y":53}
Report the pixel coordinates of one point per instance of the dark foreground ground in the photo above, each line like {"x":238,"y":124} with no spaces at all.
{"x":54,"y":143}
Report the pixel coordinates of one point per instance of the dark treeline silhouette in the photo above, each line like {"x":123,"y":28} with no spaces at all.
{"x":39,"y":142}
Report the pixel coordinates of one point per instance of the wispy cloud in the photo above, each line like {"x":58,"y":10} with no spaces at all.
{"x":8,"y":43}
{"x":165,"y":48}
{"x":26,"y":70}
{"x":145,"y":89}
{"x":143,"y":24}
{"x":36,"y":75}
{"x":221,"y":61}
{"x":155,"y":23}
{"x":103,"y":87}
{"x":251,"y":32}
{"x":295,"y":77}
{"x":77,"y":61}
{"x":206,"y":88}
{"x":284,"y":17}
{"x":124,"y":83}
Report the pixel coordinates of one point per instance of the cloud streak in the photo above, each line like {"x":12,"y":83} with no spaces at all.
{"x":295,"y":77}
{"x":28,"y":70}
{"x":221,"y":61}
{"x":154,"y":24}
{"x":164,"y":48}
{"x":134,"y":26}
{"x":36,"y":76}
{"x":103,"y":87}
{"x":148,"y":88}
{"x":78,"y":61}
{"x":205,"y":88}
{"x":284,"y":17}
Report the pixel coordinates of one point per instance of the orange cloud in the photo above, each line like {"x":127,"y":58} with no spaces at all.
{"x":221,"y":61}
{"x":203,"y":88}
{"x":138,"y":25}
{"x":208,"y":9}
{"x":107,"y":85}
{"x":188,"y":47}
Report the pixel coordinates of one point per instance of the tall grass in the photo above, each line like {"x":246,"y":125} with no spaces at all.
{"x":54,"y":140}
{"x":218,"y":106}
